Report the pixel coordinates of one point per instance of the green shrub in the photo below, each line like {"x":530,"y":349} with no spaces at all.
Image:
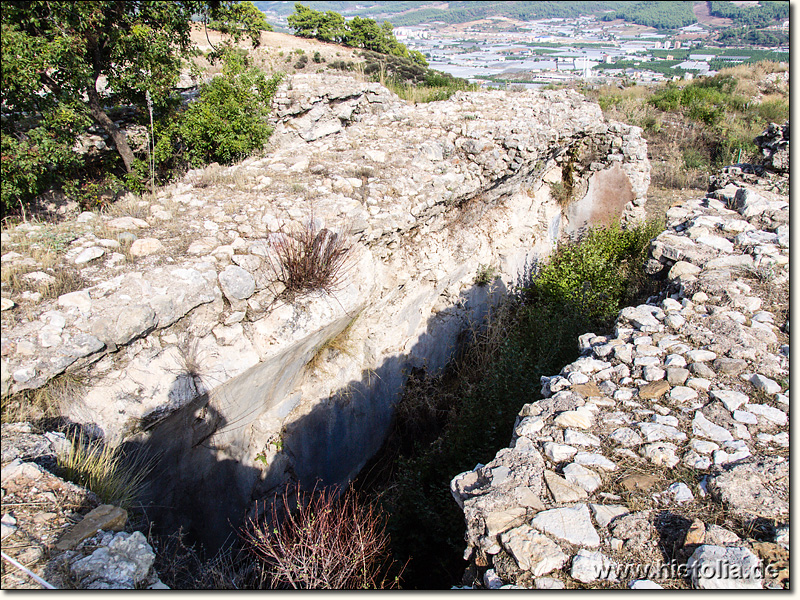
{"x":772,"y":111}
{"x":485,"y":275}
{"x":301,"y":62}
{"x":227,"y":123}
{"x":599,"y":274}
{"x":30,"y":163}
{"x":713,"y":122}
{"x":341,"y":65}
{"x":560,"y":192}
{"x":581,"y":288}
{"x":693,"y":159}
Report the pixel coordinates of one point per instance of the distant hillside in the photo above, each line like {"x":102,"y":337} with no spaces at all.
{"x":414,"y":13}
{"x":661,"y":15}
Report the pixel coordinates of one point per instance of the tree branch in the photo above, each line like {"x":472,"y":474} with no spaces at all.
{"x":99,"y":115}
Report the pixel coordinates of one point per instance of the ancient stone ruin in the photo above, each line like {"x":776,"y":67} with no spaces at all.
{"x":616,"y":476}
{"x":189,"y":350}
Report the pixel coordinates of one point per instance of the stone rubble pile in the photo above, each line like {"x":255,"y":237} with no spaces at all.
{"x":61,"y":531}
{"x":682,"y":414}
{"x":774,"y":144}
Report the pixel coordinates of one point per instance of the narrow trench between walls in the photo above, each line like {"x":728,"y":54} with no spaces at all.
{"x":202,"y":489}
{"x":436,"y":548}
{"x":218,"y":454}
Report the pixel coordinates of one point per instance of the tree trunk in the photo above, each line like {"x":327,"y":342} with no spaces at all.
{"x":99,"y":115}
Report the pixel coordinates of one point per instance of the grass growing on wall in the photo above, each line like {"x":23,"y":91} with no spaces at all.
{"x":582,"y":288}
{"x":103,"y":469}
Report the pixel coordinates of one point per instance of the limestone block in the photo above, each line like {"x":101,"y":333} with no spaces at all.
{"x":571,"y":524}
{"x":146,"y":246}
{"x":724,"y":568}
{"x":236,"y":283}
{"x":105,"y":517}
{"x":533,"y":551}
{"x":704,"y":428}
{"x":123,"y":564}
{"x":562,"y":490}
{"x":589,"y":566}
{"x":756,"y":486}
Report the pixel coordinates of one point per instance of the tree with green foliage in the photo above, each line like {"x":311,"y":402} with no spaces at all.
{"x":756,"y":37}
{"x":761,"y":14}
{"x":67,"y":64}
{"x":226,"y":123}
{"x":239,"y":20}
{"x":308,"y":23}
{"x":359,"y":32}
{"x":661,"y":15}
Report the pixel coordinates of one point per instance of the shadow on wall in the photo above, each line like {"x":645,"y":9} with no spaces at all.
{"x":335,"y":440}
{"x":206,"y":492}
{"x":192,"y":487}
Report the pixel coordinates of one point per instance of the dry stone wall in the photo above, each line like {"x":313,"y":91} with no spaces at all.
{"x":183,"y":340}
{"x":619,"y":476}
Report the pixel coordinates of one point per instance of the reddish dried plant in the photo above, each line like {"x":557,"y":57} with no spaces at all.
{"x":309,"y":260}
{"x":325,"y":542}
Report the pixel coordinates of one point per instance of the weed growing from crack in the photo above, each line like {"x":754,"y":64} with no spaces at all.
{"x":105,"y":470}
{"x":309,"y":260}
{"x":323,"y":541}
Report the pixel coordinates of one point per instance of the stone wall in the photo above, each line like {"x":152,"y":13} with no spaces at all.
{"x":189,"y":352}
{"x":662,"y":452}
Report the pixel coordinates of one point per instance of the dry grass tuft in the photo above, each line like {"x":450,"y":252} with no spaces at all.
{"x":210,"y":177}
{"x":128,"y":206}
{"x":47,"y":402}
{"x":234,"y":178}
{"x":104,"y":469}
{"x":561,"y":193}
{"x":190,"y":364}
{"x":65,"y":280}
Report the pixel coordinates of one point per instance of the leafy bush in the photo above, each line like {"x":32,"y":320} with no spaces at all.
{"x":581,"y":288}
{"x":229,"y":120}
{"x":31,"y":162}
{"x":324,"y":543}
{"x":301,"y":62}
{"x":485,"y":275}
{"x":772,"y":111}
{"x":694,"y":159}
{"x":341,"y":65}
{"x":598,"y":275}
{"x":711,"y":121}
